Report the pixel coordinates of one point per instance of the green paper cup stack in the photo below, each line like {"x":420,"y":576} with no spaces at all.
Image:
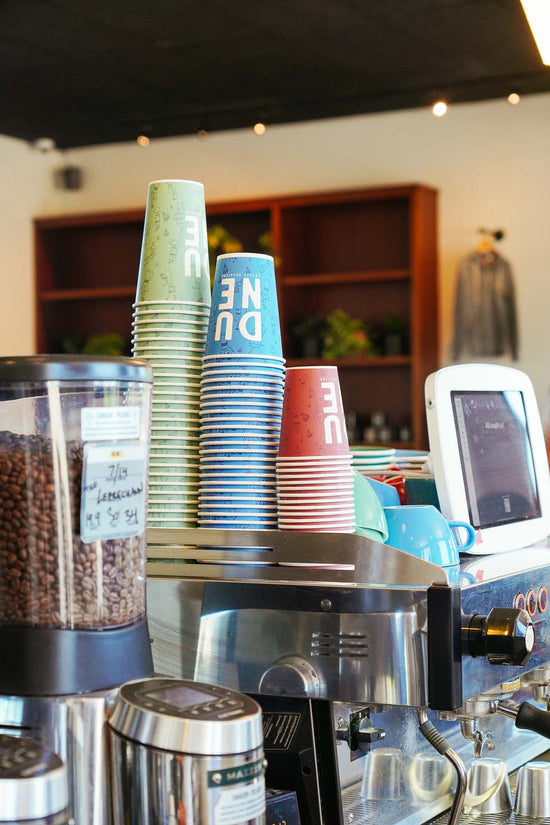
{"x":170,"y":321}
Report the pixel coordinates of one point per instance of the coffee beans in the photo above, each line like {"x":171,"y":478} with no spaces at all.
{"x":42,"y":582}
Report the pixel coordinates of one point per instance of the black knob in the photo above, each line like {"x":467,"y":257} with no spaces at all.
{"x":506,"y":636}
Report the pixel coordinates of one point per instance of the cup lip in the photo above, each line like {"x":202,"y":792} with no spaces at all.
{"x":244,"y":255}
{"x":222,"y":415}
{"x":201,"y":313}
{"x":244,"y":506}
{"x":239,"y":491}
{"x":313,"y":497}
{"x":342,"y":488}
{"x":221,"y":392}
{"x":251,"y":427}
{"x":313,"y":367}
{"x":314,"y":458}
{"x":177,"y":180}
{"x":317,"y":524}
{"x":152,"y":349}
{"x":240,"y":404}
{"x":165,"y":357}
{"x":209,"y":369}
{"x":314,"y":510}
{"x":178,"y":340}
{"x":263,"y":478}
{"x":160,"y":301}
{"x":246,"y":356}
{"x":278,"y":382}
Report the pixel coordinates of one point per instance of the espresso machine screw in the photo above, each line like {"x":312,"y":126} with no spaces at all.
{"x":326,"y":604}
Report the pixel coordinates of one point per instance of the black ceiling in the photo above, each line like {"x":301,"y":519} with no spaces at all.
{"x":87,"y":72}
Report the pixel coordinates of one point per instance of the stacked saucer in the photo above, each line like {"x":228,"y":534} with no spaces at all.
{"x":412,"y":460}
{"x":170,"y":322}
{"x":370,"y":460}
{"x":314,"y":476}
{"x":241,"y":397}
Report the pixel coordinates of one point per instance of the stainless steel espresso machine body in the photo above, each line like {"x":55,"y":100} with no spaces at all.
{"x":74,"y":442}
{"x":389,"y":666}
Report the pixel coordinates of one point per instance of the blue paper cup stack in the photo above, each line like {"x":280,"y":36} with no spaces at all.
{"x":171,"y":315}
{"x":241,"y":397}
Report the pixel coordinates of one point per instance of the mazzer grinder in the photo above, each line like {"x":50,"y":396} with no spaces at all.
{"x":74,"y":441}
{"x":379,"y":683}
{"x":186,"y":753}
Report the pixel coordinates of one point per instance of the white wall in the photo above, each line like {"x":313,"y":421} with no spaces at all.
{"x":490,"y":162}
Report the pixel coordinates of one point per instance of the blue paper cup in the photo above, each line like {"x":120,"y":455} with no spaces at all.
{"x":245,"y":317}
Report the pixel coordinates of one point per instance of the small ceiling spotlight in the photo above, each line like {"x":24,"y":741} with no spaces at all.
{"x":260,"y":128}
{"x":143,"y":141}
{"x":514,"y":99}
{"x":202,"y":134}
{"x":439,"y":108}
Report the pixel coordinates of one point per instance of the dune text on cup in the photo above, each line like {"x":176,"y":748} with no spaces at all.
{"x":195,"y":255}
{"x":332,"y":420}
{"x":249,"y":325}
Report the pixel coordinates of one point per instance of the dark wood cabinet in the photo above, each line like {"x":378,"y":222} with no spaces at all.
{"x":370,"y":252}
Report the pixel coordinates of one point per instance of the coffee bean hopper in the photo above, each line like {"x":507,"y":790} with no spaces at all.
{"x":74,"y":441}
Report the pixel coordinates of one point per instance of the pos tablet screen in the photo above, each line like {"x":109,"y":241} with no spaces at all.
{"x":488,"y":454}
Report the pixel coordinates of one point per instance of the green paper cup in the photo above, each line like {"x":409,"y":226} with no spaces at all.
{"x":174,"y":262}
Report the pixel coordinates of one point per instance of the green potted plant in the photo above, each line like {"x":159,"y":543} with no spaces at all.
{"x":308,"y":335}
{"x":394,"y":335}
{"x":345,"y":336}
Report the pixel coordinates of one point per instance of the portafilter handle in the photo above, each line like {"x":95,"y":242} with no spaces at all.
{"x":526,"y":717}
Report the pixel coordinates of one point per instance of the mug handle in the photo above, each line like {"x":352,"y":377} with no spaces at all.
{"x":470,"y":541}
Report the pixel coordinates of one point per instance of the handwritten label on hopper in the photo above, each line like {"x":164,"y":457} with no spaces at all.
{"x":113,"y":501}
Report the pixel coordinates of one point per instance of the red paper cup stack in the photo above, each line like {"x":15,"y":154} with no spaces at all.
{"x":314,"y":475}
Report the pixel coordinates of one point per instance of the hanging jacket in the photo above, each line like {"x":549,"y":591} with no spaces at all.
{"x":485,"y":309}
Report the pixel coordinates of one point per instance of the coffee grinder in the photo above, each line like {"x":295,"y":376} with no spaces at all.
{"x":74,"y":449}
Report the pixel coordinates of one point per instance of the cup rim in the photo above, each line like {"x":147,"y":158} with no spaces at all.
{"x":239,"y":427}
{"x":277,"y":382}
{"x":241,"y":490}
{"x":244,"y":255}
{"x":157,"y":301}
{"x":145,"y":350}
{"x":220,"y":415}
{"x":176,"y":339}
{"x":245,"y":356}
{"x":201,"y":313}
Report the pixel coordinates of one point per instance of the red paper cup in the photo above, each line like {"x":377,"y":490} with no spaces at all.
{"x":313,"y":422}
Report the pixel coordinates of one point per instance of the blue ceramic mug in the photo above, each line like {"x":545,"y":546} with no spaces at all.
{"x":422,"y":531}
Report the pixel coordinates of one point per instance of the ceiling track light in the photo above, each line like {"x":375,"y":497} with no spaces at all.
{"x":259,"y":129}
{"x":143,"y":141}
{"x":439,"y":108}
{"x":514,"y":98}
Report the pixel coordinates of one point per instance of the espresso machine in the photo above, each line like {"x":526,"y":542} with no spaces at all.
{"x":381,"y":682}
{"x":74,"y":448}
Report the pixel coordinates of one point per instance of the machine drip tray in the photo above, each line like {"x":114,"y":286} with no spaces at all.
{"x":363,"y":812}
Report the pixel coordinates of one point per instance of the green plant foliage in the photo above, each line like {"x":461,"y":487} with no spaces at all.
{"x":345,"y":336}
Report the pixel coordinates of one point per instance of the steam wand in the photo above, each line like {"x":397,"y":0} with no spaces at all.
{"x":441,"y":745}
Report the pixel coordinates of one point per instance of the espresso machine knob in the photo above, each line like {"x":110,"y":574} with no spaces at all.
{"x":506,"y":636}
